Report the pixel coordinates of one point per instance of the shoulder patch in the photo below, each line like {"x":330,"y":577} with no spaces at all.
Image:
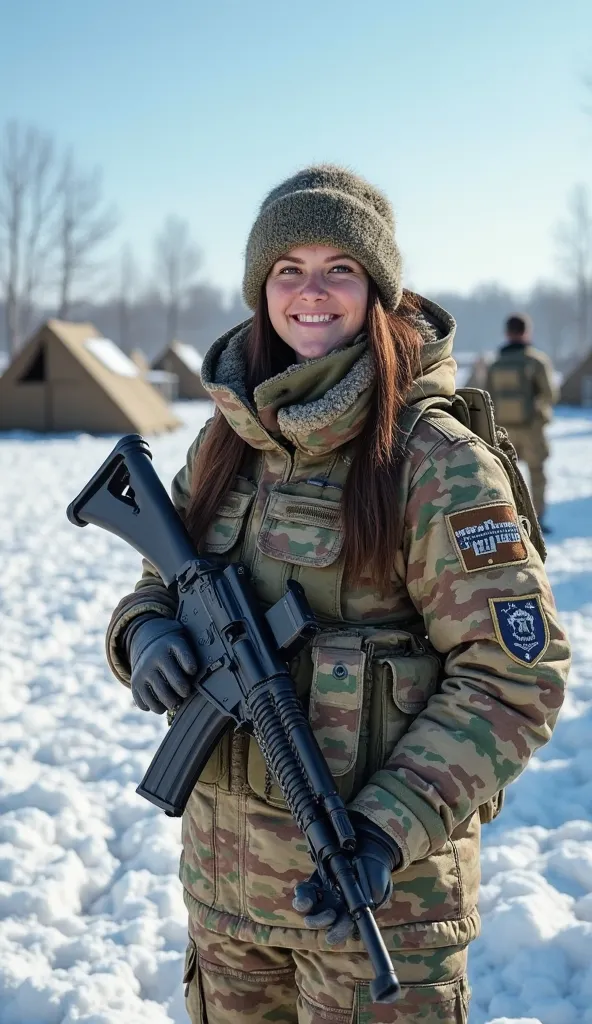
{"x":521,"y":627}
{"x":487,"y":536}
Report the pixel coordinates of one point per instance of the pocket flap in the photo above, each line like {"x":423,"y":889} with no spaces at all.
{"x":415,"y":679}
{"x":224,"y":529}
{"x":234,"y":505}
{"x":335,"y":708}
{"x":304,"y":531}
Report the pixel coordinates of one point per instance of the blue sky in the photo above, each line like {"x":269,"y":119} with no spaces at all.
{"x":468,"y":114}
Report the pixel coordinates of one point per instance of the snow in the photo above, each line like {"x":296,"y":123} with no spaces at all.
{"x":92,"y":923}
{"x":188,"y":355}
{"x":107,"y":352}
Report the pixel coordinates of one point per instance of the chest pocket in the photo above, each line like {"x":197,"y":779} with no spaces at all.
{"x":303,"y":531}
{"x":306,"y":534}
{"x":226,"y":527}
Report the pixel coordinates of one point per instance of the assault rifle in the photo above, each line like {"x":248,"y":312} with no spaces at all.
{"x":242,"y":679}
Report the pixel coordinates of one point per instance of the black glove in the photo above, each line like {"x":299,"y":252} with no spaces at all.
{"x":376,"y":857}
{"x":161,"y":660}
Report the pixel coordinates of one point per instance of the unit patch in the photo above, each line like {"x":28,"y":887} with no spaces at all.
{"x":487,"y":536}
{"x":521,"y":627}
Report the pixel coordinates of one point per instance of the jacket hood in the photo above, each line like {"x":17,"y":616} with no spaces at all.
{"x":320,"y":404}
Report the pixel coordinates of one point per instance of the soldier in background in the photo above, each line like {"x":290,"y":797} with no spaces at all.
{"x":520,"y":382}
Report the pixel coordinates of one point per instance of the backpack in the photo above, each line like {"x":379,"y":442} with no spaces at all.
{"x":511,"y":384}
{"x":474,"y":409}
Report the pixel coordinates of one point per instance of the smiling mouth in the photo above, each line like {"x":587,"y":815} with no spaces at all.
{"x":314,"y":318}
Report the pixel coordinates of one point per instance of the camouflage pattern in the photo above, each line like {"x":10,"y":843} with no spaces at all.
{"x":422,"y":752}
{"x":335,"y":706}
{"x":229,"y":979}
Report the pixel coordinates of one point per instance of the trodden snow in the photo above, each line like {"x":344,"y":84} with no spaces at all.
{"x":92,"y":923}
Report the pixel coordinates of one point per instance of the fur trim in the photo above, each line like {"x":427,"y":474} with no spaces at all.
{"x":300,"y":419}
{"x":224,"y":366}
{"x":231,"y":369}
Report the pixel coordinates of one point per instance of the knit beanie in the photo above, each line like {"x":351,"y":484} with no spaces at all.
{"x":325,"y":205}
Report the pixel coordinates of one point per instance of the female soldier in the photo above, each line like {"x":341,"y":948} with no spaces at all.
{"x":440,"y":665}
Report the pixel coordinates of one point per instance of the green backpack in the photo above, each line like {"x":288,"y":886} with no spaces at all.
{"x":510,"y":382}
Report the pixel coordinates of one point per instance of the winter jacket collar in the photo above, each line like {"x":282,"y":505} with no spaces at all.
{"x":320,"y":404}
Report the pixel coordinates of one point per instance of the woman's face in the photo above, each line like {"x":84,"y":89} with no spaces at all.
{"x":317,"y":299}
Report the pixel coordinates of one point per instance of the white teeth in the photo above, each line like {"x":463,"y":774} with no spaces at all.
{"x":314,"y":318}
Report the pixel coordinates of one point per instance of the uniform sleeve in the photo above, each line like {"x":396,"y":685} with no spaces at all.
{"x":150,"y":593}
{"x":488,"y":609}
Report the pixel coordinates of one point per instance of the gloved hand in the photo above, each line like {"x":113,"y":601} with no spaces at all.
{"x":161,"y":660}
{"x":376,"y":857}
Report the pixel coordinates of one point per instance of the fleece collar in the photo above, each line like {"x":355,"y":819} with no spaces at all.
{"x":320,"y":404}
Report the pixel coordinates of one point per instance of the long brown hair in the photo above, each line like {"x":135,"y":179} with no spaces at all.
{"x":369,"y":511}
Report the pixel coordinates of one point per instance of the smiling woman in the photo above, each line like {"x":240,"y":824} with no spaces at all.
{"x":317,"y":299}
{"x":324,"y":464}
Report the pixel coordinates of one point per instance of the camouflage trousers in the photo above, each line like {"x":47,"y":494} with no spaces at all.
{"x":532,"y":448}
{"x":228,"y":980}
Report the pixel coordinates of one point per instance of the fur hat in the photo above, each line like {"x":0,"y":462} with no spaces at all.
{"x":325,"y":205}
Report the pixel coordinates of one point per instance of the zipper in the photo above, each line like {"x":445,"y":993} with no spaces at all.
{"x":325,"y":516}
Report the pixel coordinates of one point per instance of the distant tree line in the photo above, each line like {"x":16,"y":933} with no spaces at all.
{"x":55,"y":224}
{"x":54,"y":227}
{"x":480,"y":317}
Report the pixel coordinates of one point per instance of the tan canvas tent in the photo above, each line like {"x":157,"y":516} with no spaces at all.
{"x":167,"y":384}
{"x":577,"y":386}
{"x":185,"y":361}
{"x":69,"y":377}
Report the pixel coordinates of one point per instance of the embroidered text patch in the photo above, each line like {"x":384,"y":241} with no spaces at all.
{"x":521,"y":627}
{"x":486,"y":536}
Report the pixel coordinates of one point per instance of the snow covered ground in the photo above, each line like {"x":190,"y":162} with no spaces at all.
{"x":92,"y":925}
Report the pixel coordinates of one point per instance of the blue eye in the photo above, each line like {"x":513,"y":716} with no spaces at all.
{"x":289,"y":270}
{"x":342,"y":266}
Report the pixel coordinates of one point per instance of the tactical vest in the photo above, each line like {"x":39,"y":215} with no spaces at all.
{"x":510,"y":379}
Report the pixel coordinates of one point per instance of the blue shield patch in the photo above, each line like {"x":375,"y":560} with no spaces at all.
{"x":521,"y":627}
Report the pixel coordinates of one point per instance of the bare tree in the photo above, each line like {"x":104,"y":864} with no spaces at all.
{"x":126,"y":294}
{"x":177,"y":261}
{"x":574,"y":244}
{"x":84,"y":224}
{"x":28,"y":205}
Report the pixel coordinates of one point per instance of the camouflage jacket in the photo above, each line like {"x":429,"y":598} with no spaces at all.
{"x":426,"y":701}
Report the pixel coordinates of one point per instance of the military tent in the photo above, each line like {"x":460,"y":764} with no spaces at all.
{"x":185,"y":361}
{"x":577,"y":386}
{"x":69,"y":377}
{"x":167,"y":384}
